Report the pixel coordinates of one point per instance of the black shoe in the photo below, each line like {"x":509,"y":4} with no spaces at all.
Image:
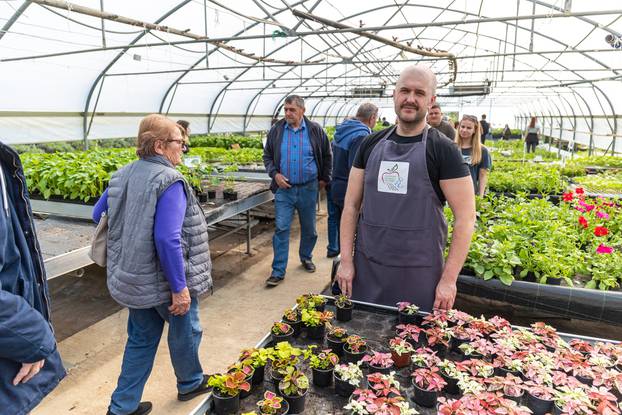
{"x":143,"y":409}
{"x":331,"y":254}
{"x":308,"y":265}
{"x":199,"y":390}
{"x":273,"y":281}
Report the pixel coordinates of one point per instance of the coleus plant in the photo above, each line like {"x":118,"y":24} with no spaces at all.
{"x":324,"y":360}
{"x":355,"y":344}
{"x":291,"y":315}
{"x":280,"y":328}
{"x":429,"y":379}
{"x":342,"y":301}
{"x":229,"y":384}
{"x":310,"y":301}
{"x":270,"y":404}
{"x":294,"y":383}
{"x":337,"y":333}
{"x":256,"y":357}
{"x":377,"y":359}
{"x":314,"y":318}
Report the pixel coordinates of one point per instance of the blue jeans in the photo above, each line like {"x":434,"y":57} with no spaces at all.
{"x":303,"y":199}
{"x":144,"y":329}
{"x":334,"y":221}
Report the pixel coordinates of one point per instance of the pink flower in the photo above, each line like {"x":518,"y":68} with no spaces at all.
{"x":603,"y":249}
{"x":602,"y":215}
{"x":580,"y":209}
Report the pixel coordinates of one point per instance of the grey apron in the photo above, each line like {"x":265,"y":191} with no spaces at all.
{"x":402,"y":231}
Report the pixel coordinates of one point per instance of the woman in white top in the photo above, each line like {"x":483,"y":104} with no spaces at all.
{"x":532,"y":135}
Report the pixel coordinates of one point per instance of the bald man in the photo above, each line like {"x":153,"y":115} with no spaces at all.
{"x":400,"y":180}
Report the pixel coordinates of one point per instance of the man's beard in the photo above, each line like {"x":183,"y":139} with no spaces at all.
{"x":418,"y":116}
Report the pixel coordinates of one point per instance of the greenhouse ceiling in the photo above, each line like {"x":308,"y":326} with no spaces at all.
{"x":91,"y":69}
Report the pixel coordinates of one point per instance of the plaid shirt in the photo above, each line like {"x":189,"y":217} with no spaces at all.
{"x":297,"y":161}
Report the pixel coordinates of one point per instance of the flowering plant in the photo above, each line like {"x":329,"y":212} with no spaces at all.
{"x":407,"y":308}
{"x":270,"y":404}
{"x":429,"y":379}
{"x":377,"y":359}
{"x":350,"y":373}
{"x":400,"y":346}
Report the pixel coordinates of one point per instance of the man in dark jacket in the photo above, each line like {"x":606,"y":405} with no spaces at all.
{"x":348,"y":136}
{"x":30,"y":366}
{"x":298,"y":158}
{"x":485,"y":128}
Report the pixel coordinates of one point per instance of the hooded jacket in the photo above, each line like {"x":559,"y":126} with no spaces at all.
{"x":26,"y":334}
{"x":348,"y":137}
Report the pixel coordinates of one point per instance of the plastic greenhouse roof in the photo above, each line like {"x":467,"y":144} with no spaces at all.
{"x":227,"y":66}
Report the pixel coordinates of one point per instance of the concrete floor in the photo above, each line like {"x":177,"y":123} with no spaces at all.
{"x":237,"y":316}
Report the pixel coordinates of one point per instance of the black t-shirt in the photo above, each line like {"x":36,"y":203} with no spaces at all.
{"x":485,"y":127}
{"x":443,"y":157}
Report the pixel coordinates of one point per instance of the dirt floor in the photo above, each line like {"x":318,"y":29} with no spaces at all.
{"x":238,"y":315}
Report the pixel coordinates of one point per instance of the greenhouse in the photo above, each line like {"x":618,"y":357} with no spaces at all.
{"x":370,"y":207}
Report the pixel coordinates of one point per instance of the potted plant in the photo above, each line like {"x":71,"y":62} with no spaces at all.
{"x":424,"y":357}
{"x":285,"y":355}
{"x":226,"y":391}
{"x":379,"y":362}
{"x":348,"y":377}
{"x":438,"y":340}
{"x":344,"y":308}
{"x":315,"y":322}
{"x":451,"y":375}
{"x":428,"y":383}
{"x":461,"y":334}
{"x":336,"y":338}
{"x":311,"y":301}
{"x":408,"y":313}
{"x":411,"y":333}
{"x":322,"y":365}
{"x":513,"y":388}
{"x":572,"y":401}
{"x":366,"y":402}
{"x":401,"y":351}
{"x":294,"y":388}
{"x":229,"y":192}
{"x":292,"y":317}
{"x":354,"y":349}
{"x":281,"y":332}
{"x":272,"y":404}
{"x":248,"y":372}
{"x":257,"y":358}
{"x":213,"y":187}
{"x":539,"y":398}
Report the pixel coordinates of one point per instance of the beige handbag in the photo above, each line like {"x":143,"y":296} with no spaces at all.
{"x":99,"y":243}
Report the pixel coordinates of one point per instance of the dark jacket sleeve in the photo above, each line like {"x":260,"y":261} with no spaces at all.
{"x":327,"y":157}
{"x":354,"y":146}
{"x":268,"y":153}
{"x":25,"y":336}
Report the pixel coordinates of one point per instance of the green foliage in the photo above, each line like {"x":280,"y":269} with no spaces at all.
{"x":601,"y":183}
{"x":229,"y":384}
{"x":294,"y":383}
{"x":240,"y":157}
{"x":225,"y":141}
{"x":525,"y":177}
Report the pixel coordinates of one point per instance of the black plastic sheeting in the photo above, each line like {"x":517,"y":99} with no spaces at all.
{"x":581,"y":303}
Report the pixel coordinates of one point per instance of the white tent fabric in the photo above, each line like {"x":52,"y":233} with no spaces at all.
{"x":68,"y":75}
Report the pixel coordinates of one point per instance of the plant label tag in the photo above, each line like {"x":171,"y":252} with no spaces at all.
{"x":393,"y":177}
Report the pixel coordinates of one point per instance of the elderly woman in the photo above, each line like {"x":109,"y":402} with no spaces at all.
{"x":158,"y":263}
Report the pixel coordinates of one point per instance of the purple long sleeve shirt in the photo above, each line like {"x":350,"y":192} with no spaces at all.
{"x":169,"y":218}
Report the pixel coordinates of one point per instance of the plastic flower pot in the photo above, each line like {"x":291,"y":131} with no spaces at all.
{"x":258,"y":375}
{"x":322,"y":377}
{"x":452,"y":384}
{"x":538,"y":406}
{"x":226,"y":405}
{"x":283,"y":411}
{"x":276,"y":378}
{"x":342,"y":387}
{"x":316,"y":332}
{"x":276,"y":338}
{"x":400,"y":360}
{"x":211,"y":194}
{"x":202,"y":197}
{"x":296,"y":403}
{"x":336,"y":346}
{"x":423,"y":397}
{"x":440,"y":349}
{"x":353,"y":357}
{"x":378,"y":369}
{"x":585,"y":380}
{"x":230,"y":194}
{"x":344,"y":314}
{"x":517,"y":399}
{"x":404,"y":318}
{"x":502,"y":371}
{"x":455,"y":344}
{"x":296,"y":325}
{"x":557,"y":410}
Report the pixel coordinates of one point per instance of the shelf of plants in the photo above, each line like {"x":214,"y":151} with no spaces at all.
{"x":384,"y":360}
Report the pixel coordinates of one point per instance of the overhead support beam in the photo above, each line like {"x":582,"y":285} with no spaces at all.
{"x":585,"y":81}
{"x":407,"y":48}
{"x":154,"y":27}
{"x":14,"y":18}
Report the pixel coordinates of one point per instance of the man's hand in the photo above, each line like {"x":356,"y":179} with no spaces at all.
{"x":181,"y":303}
{"x":282,"y":181}
{"x":322,"y":184}
{"x":345,"y":276}
{"x":28,"y":371}
{"x":445,"y":295}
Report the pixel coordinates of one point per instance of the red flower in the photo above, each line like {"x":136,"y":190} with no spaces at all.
{"x":567,"y":197}
{"x":600,"y":231}
{"x":579,"y":190}
{"x":583,"y":222}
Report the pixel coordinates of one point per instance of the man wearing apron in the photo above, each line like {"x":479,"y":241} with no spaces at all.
{"x":399,"y":182}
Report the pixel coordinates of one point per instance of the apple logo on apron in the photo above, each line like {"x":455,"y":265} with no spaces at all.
{"x":393,"y":177}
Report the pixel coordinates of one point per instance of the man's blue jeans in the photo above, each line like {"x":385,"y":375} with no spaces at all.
{"x":303,"y":199}
{"x":144,"y":329}
{"x":334,"y":220}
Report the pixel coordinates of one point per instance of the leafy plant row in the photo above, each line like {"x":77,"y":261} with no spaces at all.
{"x":579,"y":241}
{"x":225,"y":141}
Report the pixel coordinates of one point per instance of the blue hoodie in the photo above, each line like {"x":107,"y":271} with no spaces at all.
{"x":348,"y":137}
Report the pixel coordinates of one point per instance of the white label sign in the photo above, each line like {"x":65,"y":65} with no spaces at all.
{"x":393,"y":177}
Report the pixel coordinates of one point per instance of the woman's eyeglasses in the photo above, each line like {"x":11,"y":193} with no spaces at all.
{"x":184,"y":146}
